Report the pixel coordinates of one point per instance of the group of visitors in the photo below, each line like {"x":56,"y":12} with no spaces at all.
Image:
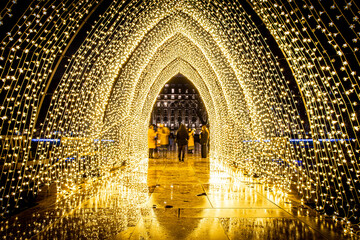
{"x":162,"y":134}
{"x":183,"y":138}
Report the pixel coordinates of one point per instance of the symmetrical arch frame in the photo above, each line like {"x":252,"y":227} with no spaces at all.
{"x":255,"y":114}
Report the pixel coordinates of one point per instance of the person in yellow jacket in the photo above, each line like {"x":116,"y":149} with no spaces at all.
{"x":164,"y":133}
{"x":191,"y":142}
{"x":151,"y":141}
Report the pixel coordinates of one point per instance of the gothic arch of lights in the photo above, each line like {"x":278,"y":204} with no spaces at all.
{"x":138,"y":45}
{"x":174,"y":47}
{"x":178,"y":65}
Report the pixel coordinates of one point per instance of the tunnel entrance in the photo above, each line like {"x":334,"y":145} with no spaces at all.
{"x":179,"y":102}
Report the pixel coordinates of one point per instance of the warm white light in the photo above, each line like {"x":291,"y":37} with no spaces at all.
{"x":101,"y":108}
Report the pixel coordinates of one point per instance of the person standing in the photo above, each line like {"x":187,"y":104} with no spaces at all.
{"x":164,"y":133}
{"x":191,"y":143}
{"x":171,"y":141}
{"x":182,"y":138}
{"x":204,"y":138}
{"x":151,"y":141}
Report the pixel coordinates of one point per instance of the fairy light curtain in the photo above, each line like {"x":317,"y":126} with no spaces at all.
{"x":99,"y":111}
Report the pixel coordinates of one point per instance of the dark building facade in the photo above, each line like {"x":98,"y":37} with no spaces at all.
{"x":179,"y":102}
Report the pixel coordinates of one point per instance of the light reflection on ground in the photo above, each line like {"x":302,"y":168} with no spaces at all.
{"x":165,"y":199}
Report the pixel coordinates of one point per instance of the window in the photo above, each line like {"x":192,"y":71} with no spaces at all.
{"x":179,"y":97}
{"x":158,"y":104}
{"x":179,"y":90}
{"x":172,"y":96}
{"x":172,"y":90}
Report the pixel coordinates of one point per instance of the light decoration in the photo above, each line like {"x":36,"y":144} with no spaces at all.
{"x":104,"y":208}
{"x":112,"y":81}
{"x":6,"y":12}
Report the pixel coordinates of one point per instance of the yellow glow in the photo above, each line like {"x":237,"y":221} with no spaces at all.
{"x":101,"y":107}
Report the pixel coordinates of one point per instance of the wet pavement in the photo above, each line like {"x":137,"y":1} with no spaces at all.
{"x":167,"y":199}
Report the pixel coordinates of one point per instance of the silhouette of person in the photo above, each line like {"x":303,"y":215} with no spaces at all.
{"x":182,"y":137}
{"x":204,"y":139}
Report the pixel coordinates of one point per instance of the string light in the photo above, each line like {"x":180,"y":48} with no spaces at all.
{"x":101,"y":107}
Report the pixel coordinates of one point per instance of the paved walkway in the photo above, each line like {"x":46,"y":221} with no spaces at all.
{"x":173,"y":200}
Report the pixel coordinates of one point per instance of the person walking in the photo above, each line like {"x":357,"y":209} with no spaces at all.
{"x":151,"y":141}
{"x":182,"y":138}
{"x":191,"y":143}
{"x":204,"y":138}
{"x":164,"y":133}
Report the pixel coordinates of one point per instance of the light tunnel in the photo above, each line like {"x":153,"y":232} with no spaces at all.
{"x":101,"y":107}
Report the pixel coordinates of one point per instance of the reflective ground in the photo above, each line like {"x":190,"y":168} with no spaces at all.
{"x":171,"y":200}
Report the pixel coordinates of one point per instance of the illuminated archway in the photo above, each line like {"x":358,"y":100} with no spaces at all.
{"x":105,"y":95}
{"x":179,"y":48}
{"x":241,"y":131}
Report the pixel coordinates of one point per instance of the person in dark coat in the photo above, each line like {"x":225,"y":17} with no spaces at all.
{"x":204,"y":139}
{"x":182,"y":138}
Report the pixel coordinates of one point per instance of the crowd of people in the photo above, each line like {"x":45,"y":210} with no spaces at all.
{"x":161,"y":139}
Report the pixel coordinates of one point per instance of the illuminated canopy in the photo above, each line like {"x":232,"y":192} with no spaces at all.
{"x":101,"y":107}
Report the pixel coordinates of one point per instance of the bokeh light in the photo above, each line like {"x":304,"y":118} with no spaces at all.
{"x":288,"y":114}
